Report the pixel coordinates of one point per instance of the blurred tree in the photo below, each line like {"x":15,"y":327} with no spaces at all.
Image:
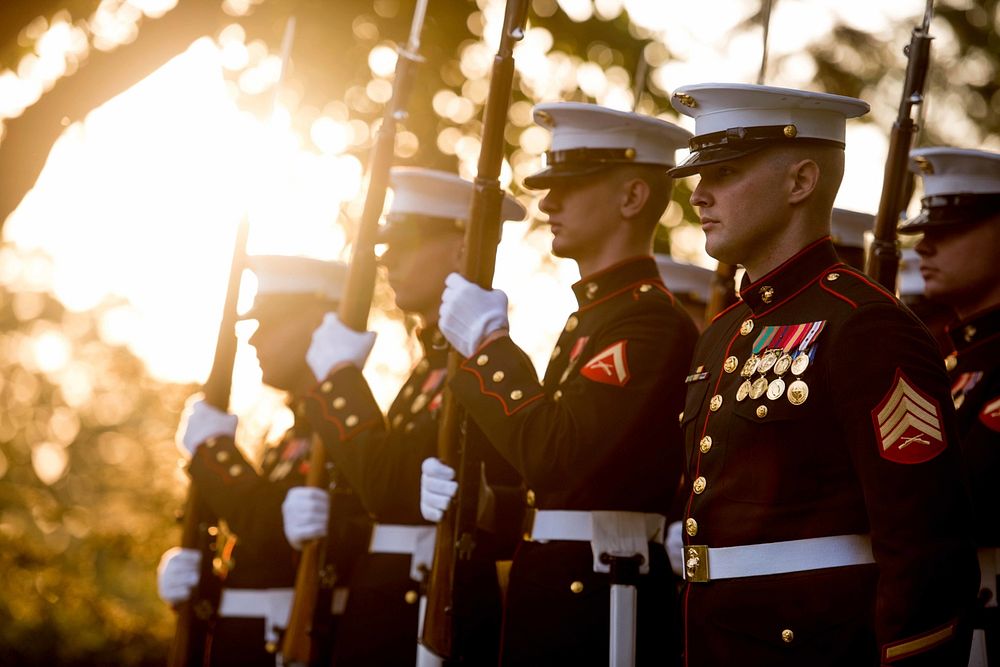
{"x":86,"y":453}
{"x":98,"y":75}
{"x":86,"y":492}
{"x":590,"y":56}
{"x":963,"y":90}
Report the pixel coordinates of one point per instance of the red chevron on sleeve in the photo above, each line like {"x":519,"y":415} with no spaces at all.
{"x":609,"y":366}
{"x":908,"y":424}
{"x":990,"y":414}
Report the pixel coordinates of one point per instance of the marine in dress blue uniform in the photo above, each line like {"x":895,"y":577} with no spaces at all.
{"x":594,"y":439}
{"x":960,"y":224}
{"x":826,"y":520}
{"x":380,"y":457}
{"x":292,"y":295}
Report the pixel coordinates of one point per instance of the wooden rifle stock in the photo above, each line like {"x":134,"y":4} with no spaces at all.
{"x":296,"y":646}
{"x":194,"y":614}
{"x":897,"y":182}
{"x":353,"y":312}
{"x":456,"y":528}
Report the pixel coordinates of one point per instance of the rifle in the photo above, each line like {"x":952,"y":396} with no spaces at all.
{"x":195,"y":614}
{"x":455,"y":531}
{"x":897,"y":183}
{"x":722,"y":292}
{"x":353,"y":311}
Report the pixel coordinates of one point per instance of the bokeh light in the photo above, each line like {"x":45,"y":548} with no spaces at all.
{"x":113,"y":268}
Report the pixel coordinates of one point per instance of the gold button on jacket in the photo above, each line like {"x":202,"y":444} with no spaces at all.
{"x":825,"y":457}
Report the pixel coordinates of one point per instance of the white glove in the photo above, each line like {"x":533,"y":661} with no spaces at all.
{"x":437,"y":488}
{"x":675,"y":548}
{"x":306,"y":512}
{"x":201,"y":423}
{"x":334,"y":343}
{"x":469,"y":313}
{"x":177,"y":574}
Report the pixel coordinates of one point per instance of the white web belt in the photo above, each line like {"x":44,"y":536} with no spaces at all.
{"x":702,"y":563}
{"x":415,"y":541}
{"x":271,"y":604}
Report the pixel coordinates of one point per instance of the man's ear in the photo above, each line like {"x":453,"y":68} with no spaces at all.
{"x":804,"y":178}
{"x":634,"y":194}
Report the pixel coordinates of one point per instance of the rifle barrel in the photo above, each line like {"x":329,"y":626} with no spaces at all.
{"x":455,"y":530}
{"x":191,"y":632}
{"x":883,"y":262}
{"x":353,"y":312}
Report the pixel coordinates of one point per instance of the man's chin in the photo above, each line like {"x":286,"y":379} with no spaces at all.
{"x":561,"y":250}
{"x":403,"y":303}
{"x":936,"y":291}
{"x":273,"y":382}
{"x":718,"y":249}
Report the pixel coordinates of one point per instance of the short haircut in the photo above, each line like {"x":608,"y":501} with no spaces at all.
{"x":830,"y":160}
{"x":660,"y":185}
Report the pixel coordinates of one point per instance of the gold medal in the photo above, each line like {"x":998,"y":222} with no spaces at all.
{"x":750,"y":366}
{"x":950,"y":362}
{"x":798,"y":392}
{"x":800,"y":364}
{"x":743,"y":391}
{"x":758,"y":388}
{"x":783,"y":363}
{"x":730,"y":365}
{"x":775,"y":389}
{"x":768,"y":361}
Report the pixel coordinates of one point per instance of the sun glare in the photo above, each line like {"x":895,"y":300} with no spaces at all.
{"x":141,"y":200}
{"x":138,"y":204}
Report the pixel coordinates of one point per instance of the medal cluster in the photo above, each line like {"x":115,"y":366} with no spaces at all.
{"x":781,"y":363}
{"x":781,"y":354}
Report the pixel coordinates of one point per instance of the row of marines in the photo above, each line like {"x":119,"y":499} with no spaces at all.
{"x":806,"y":482}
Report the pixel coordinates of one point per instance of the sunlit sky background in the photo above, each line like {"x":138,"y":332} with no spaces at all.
{"x":141,"y":199}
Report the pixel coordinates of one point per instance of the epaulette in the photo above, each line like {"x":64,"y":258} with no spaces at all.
{"x":854,"y":287}
{"x":645,"y":288}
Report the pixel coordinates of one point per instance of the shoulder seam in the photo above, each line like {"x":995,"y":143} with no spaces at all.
{"x":867,"y":281}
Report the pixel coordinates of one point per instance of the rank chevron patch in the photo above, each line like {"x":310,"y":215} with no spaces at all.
{"x":608,"y":366}
{"x":990,"y":414}
{"x":908,"y":424}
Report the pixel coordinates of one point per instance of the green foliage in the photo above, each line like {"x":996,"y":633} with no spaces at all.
{"x":964,"y":72}
{"x":86,"y":498}
{"x":87,"y":494}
